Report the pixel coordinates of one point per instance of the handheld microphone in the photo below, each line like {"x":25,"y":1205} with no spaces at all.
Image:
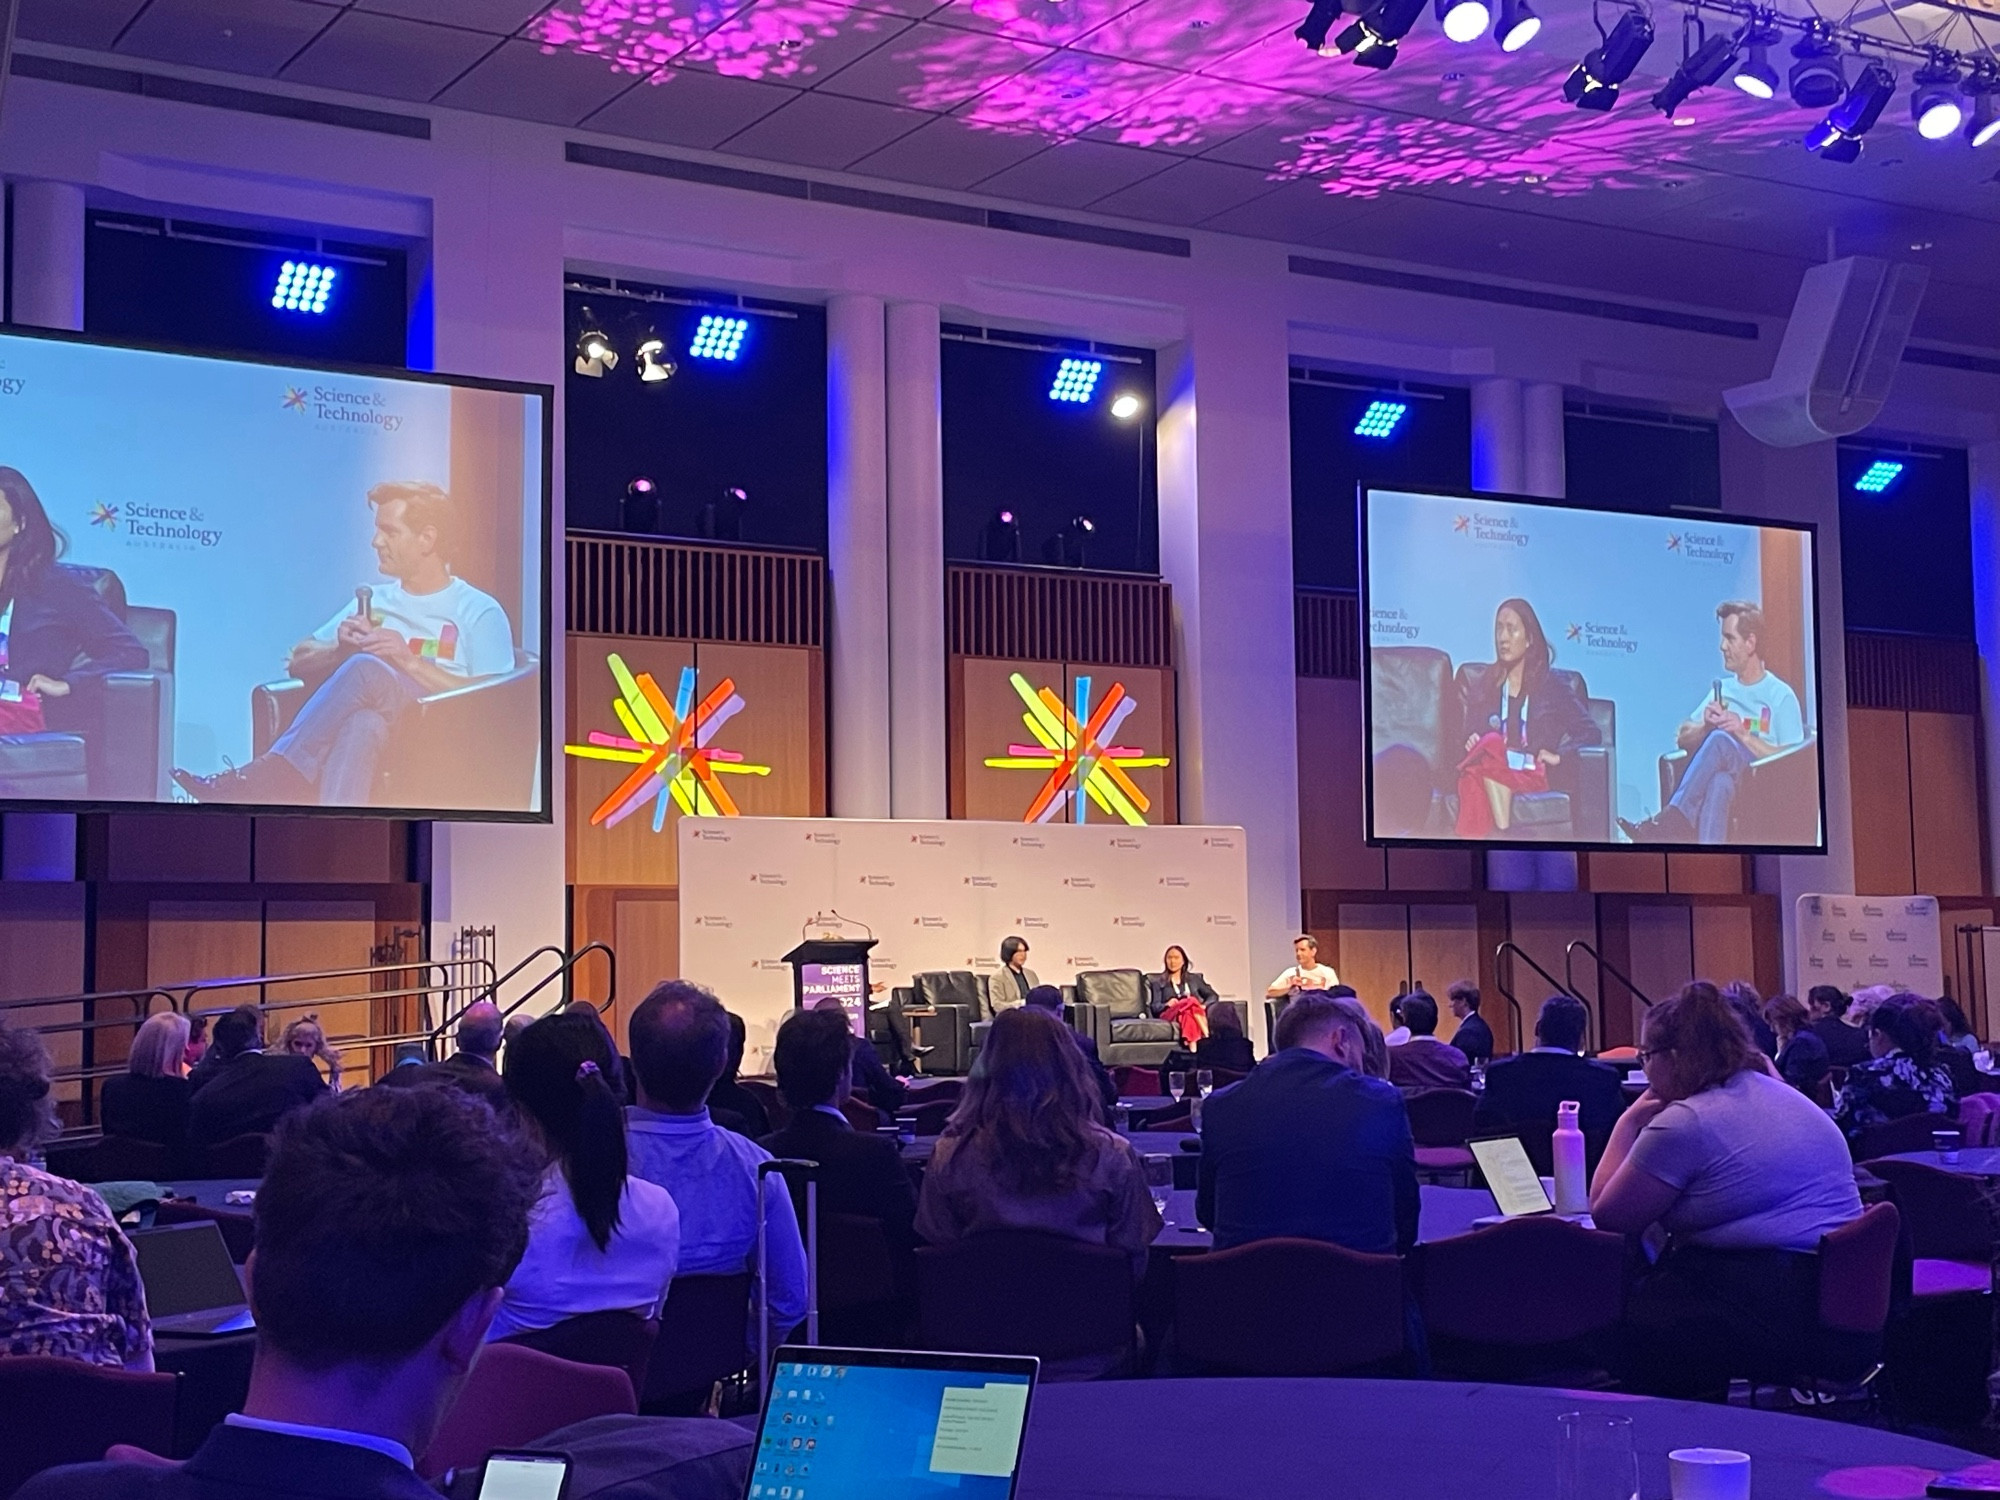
{"x":364,"y":597}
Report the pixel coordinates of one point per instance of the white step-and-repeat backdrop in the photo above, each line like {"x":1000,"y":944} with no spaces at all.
{"x":941,"y":895}
{"x":1856,"y":941}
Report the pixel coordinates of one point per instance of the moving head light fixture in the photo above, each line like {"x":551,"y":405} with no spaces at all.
{"x":1594,"y":83}
{"x":1372,"y":40}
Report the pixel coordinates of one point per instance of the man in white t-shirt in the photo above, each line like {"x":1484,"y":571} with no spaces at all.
{"x":1747,"y":715}
{"x":424,"y":631}
{"x":1308,"y":973}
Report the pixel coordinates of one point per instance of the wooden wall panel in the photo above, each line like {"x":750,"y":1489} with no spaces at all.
{"x":1150,"y":727}
{"x":1430,"y":869}
{"x":1543,"y":924}
{"x":1444,"y":946}
{"x":646,"y":933}
{"x":176,"y":846}
{"x":631,"y":853}
{"x":1374,"y":953}
{"x":41,"y":939}
{"x":1661,"y":939}
{"x":1724,"y":943}
{"x":1636,"y":870}
{"x":1945,"y":822}
{"x":1707,"y":874}
{"x":782,"y":725}
{"x":1333,"y":850}
{"x":1982,"y":1006}
{"x":188,"y":940}
{"x":1879,"y":772}
{"x":349,"y":851}
{"x":302,"y":937}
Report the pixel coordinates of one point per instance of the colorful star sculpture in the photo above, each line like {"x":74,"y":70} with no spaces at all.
{"x":668,"y":746}
{"x":1076,"y":750}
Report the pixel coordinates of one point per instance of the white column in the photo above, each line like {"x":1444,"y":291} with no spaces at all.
{"x":919,"y":774}
{"x":1545,"y":468}
{"x":857,"y":545}
{"x":1226,"y":547}
{"x":48,"y":293}
{"x":1984,"y":462}
{"x":1802,"y":484}
{"x":1498,"y":460}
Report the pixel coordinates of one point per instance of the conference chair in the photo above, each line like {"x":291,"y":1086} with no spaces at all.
{"x":956,"y":1000}
{"x":1938,"y":1351}
{"x":239,"y":1156}
{"x":1529,"y":1298}
{"x":1856,"y":1281}
{"x":64,"y":1411}
{"x":1777,"y":799}
{"x":622,"y":1340}
{"x":513,"y":1396}
{"x":1893,"y":1137}
{"x":703,"y":1336}
{"x":866,"y":1288}
{"x":1289,"y":1307}
{"x":1413,"y":716}
{"x":1441,"y":1122}
{"x":113,"y":1158}
{"x":1021,"y":1291}
{"x":1952,"y":1231}
{"x":1111,"y":1008}
{"x":776,"y":1110}
{"x":425,"y":764}
{"x":1978,"y":1118}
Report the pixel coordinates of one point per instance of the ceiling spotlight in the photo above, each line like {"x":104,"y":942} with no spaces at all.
{"x":1594,"y":83}
{"x":1373,"y":39}
{"x":654,"y":365}
{"x":1464,"y":20}
{"x":639,"y":511}
{"x":1817,"y":78}
{"x":1518,"y":25}
{"x":594,"y":354}
{"x":1317,"y":24}
{"x":1935,"y":104}
{"x":1838,"y":136}
{"x":1756,"y":77}
{"x":1698,"y":69}
{"x":303,"y":287}
{"x":1000,"y":541}
{"x":1076,"y":381}
{"x":1126,"y":406}
{"x":1381,"y":419}
{"x":1878,"y":476}
{"x":1982,"y":89}
{"x":718,"y":337}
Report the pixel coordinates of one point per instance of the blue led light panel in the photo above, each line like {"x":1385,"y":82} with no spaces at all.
{"x":1879,"y":476}
{"x":717,"y":337}
{"x":1076,"y":380}
{"x":303,"y":287}
{"x":1381,"y":419}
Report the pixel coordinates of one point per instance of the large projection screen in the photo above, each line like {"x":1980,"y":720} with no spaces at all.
{"x":1541,"y":673}
{"x":260,"y":586}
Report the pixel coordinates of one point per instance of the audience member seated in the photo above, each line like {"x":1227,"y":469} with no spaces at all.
{"x":871,"y":1080}
{"x":1309,"y":1145}
{"x":1048,"y":998}
{"x":680,"y":1044}
{"x":1957,"y":1029}
{"x":1225,"y":1046}
{"x":478,"y":1041}
{"x":1424,"y":1062}
{"x":1744,"y":1174}
{"x":386,"y":1226}
{"x":69,"y":1283}
{"x":1399,"y":1033}
{"x":197,"y":1043}
{"x":858,"y":1174}
{"x":149,"y":1100}
{"x":731,"y":1105}
{"x":1374,"y":1045}
{"x":1846,"y":1041}
{"x":248,"y":1090}
{"x":1750,"y":1006}
{"x":1522,"y":1092}
{"x":1027,"y":1148}
{"x":599,"y":1239}
{"x":1903,"y":1075}
{"x":1180,"y":996}
{"x":1802,"y":1059}
{"x":306,"y":1038}
{"x":1474,"y":1037}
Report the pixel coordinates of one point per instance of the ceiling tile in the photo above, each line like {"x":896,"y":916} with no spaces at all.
{"x":522,"y":80}
{"x":1066,"y":94}
{"x":1190,"y":33}
{"x":1191,"y":115}
{"x":500,"y":17}
{"x":1187,"y":193}
{"x":1053,"y":22}
{"x":1074,"y":174}
{"x":236,"y":36}
{"x":933,"y":67}
{"x":76,"y":23}
{"x":949,"y":153}
{"x":686,"y":107}
{"x":797,"y":42}
{"x":1278,"y":61}
{"x":369,"y":54}
{"x":1296,"y":213}
{"x":821,"y":130}
{"x":1279,"y":141}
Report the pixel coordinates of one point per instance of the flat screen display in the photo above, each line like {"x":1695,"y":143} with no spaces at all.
{"x":1541,"y":673}
{"x":239,"y":584}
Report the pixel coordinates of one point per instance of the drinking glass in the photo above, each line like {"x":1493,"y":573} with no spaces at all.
{"x":1204,"y":1079}
{"x":1177,"y":1084}
{"x":1596,"y":1460}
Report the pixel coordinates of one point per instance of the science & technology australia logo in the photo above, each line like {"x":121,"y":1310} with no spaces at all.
{"x":327,"y":403}
{"x":158,"y":528}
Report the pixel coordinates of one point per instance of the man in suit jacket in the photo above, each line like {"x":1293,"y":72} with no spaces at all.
{"x":1047,"y":997}
{"x":1309,"y":1145}
{"x":1474,"y":1037}
{"x":1424,"y":1062}
{"x":251,"y":1089}
{"x":858,"y":1174}
{"x":1524,"y":1091}
{"x":344,"y":1395}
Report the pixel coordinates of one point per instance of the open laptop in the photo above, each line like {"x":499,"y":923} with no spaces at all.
{"x":881,"y":1424}
{"x":1515,"y":1184}
{"x":192,"y":1289}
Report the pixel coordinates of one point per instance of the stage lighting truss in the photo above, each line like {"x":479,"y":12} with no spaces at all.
{"x":1381,"y":419}
{"x":303,"y":286}
{"x":718,"y":336}
{"x":1076,"y":381}
{"x":1878,"y":476}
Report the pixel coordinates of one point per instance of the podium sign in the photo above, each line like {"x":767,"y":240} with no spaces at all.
{"x":825,"y":969}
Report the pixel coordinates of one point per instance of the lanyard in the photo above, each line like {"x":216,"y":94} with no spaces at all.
{"x":6,"y":628}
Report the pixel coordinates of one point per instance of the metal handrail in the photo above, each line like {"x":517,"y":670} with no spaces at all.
{"x":1603,"y":967}
{"x":565,"y":970}
{"x":442,"y":966}
{"x":1511,"y":947}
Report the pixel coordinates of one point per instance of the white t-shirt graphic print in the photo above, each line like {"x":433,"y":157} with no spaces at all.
{"x":1768,"y":707}
{"x":458,"y":628}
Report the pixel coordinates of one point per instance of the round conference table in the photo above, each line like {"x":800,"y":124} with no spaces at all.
{"x":1422,"y":1440}
{"x":1973,"y":1161}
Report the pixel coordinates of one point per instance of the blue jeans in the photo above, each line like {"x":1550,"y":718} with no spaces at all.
{"x":1709,"y":787}
{"x":336,"y":741}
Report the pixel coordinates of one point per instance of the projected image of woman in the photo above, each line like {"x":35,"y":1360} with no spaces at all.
{"x":1521,"y":720}
{"x":58,"y":638}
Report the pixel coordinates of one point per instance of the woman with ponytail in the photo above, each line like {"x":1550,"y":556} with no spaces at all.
{"x":599,"y":1239}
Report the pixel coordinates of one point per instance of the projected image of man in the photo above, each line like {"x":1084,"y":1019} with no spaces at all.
{"x":1749,"y":712}
{"x":424,"y":631}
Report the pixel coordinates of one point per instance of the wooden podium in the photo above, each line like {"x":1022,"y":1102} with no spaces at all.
{"x":836,"y":967}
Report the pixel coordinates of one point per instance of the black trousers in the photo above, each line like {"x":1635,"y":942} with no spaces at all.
{"x":1701,"y":1317}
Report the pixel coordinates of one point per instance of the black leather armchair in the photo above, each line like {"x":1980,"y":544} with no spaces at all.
{"x":1413,"y":716}
{"x":957,"y":1000}
{"x":1111,"y":1008}
{"x":1778,"y":800}
{"x":1582,"y":789}
{"x":475,"y":747}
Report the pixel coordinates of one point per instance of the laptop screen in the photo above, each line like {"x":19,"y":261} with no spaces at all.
{"x":1517,"y":1188}
{"x":186,"y":1269}
{"x":844,"y":1424}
